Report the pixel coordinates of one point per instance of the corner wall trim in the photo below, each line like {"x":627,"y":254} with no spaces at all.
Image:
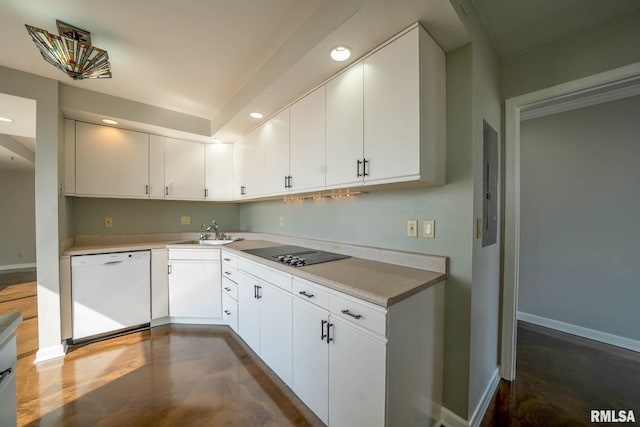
{"x":592,"y":334}
{"x":17,"y":266}
{"x":485,"y":401}
{"x":451,"y":419}
{"x":48,"y":353}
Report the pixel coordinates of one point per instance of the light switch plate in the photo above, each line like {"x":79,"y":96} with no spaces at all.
{"x":281,"y":221}
{"x":412,"y":228}
{"x":429,"y":228}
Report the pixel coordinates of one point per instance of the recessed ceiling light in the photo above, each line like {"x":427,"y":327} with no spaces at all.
{"x":109,"y":121}
{"x":216,"y":140}
{"x":340,"y":53}
{"x":256,"y":115}
{"x":6,"y":119}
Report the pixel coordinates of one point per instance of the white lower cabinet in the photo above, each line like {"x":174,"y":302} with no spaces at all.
{"x":265,"y":322}
{"x":230,"y":311}
{"x":195,"y":283}
{"x":159,"y":283}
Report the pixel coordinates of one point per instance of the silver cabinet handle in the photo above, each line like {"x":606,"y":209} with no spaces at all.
{"x":227,"y":259}
{"x":227,"y":273}
{"x":146,"y":189}
{"x":227,"y":289}
{"x":168,"y":268}
{"x":166,"y":191}
{"x":355,"y":316}
{"x":228,"y":313}
{"x":304,"y":293}
{"x":206,"y":192}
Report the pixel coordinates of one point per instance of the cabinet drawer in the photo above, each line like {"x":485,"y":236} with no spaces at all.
{"x":229,"y":273}
{"x":195,"y":254}
{"x":278,"y":278}
{"x":230,"y":288}
{"x":359,"y":312}
{"x":230,"y":260}
{"x":230,"y":312}
{"x":311,"y":292}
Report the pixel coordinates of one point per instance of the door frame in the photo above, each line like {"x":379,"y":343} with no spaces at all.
{"x":563,"y":97}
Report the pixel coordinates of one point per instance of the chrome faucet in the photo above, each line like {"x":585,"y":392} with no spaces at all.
{"x":213,"y":227}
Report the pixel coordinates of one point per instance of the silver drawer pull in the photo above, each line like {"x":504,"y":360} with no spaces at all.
{"x":227,"y":289}
{"x":304,"y":293}
{"x":227,"y":259}
{"x":227,"y":312}
{"x":227,"y":273}
{"x":348,"y":313}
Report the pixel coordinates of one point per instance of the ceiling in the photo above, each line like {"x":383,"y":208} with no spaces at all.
{"x":221,"y":59}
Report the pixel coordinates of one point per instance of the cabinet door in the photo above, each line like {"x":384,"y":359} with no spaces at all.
{"x":311,"y":357}
{"x":184,"y":169}
{"x":195,"y":289}
{"x":275,"y":330}
{"x":274,"y":141}
{"x":344,"y":127}
{"x":357,"y":362}
{"x":251,"y":171}
{"x":248,"y":312}
{"x":392,"y":111}
{"x":111,"y":162}
{"x":307,"y":145}
{"x":156,"y":166}
{"x":230,"y":312}
{"x":159,"y":284}
{"x":219,"y":171}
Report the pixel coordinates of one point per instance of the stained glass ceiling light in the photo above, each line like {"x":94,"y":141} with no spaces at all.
{"x":71,"y":52}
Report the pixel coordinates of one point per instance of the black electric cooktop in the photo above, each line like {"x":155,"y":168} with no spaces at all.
{"x":295,"y":256}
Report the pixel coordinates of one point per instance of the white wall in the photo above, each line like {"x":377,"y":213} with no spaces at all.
{"x":580,"y":207}
{"x":17,"y":218}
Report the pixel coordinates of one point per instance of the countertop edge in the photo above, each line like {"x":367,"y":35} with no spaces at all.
{"x":9,"y":322}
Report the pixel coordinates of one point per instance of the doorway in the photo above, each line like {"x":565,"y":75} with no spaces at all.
{"x":593,"y":89}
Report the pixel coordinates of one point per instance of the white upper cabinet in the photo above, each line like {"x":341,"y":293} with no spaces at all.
{"x":183,"y":170}
{"x":345,"y":142}
{"x":274,"y":141}
{"x":249,"y":167}
{"x":156,"y":167}
{"x":219,"y":171}
{"x":307,"y":144}
{"x":111,"y":162}
{"x":404,"y":111}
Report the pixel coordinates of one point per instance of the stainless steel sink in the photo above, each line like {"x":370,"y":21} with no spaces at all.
{"x":208,"y":242}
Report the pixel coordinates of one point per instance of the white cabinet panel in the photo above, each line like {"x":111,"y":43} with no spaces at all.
{"x":195,"y":289}
{"x":249,"y":311}
{"x":345,"y":141}
{"x":307,"y":145}
{"x":310,"y":357}
{"x":159,"y":283}
{"x":275,"y":330}
{"x":111,"y":162}
{"x":392,"y":110}
{"x":252,"y":171}
{"x":184,"y":169}
{"x":156,"y":166}
{"x":357,"y":361}
{"x":69,"y":157}
{"x":219,"y":171}
{"x":230,"y":311}
{"x":274,"y":139}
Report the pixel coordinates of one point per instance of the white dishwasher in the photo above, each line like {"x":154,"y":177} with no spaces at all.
{"x":110,"y":293}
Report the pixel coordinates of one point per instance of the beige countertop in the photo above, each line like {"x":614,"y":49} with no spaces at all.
{"x":377,"y":282}
{"x":8,"y":323}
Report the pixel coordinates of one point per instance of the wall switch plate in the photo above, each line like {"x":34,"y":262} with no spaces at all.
{"x":185,"y":220}
{"x":108,"y":222}
{"x":412,"y":228}
{"x":429,"y":228}
{"x":281,"y":221}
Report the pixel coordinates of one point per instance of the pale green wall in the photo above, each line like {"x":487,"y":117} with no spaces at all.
{"x":606,"y":46}
{"x":47,"y":179}
{"x":147,"y":216}
{"x":17,"y":217}
{"x":379,"y":219}
{"x":579,"y":230}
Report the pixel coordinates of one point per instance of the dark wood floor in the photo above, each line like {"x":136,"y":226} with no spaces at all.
{"x":168,"y":376}
{"x":560,"y":378}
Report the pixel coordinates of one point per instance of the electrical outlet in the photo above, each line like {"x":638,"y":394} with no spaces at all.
{"x":429,"y":228}
{"x":185,"y":220}
{"x":412,"y":228}
{"x":281,"y":221}
{"x":108,"y":222}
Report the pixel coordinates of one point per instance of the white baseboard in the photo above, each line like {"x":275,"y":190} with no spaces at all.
{"x":160,"y":321}
{"x":451,"y":419}
{"x":485,"y":401}
{"x":580,"y":331}
{"x":196,"y":320}
{"x":17,"y":266}
{"x":49,"y":353}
